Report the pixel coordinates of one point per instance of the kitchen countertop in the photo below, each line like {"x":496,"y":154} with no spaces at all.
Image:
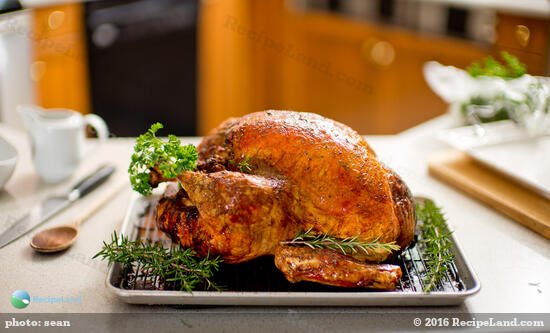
{"x":512,"y":262}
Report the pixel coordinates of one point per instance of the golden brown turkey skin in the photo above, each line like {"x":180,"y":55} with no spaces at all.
{"x":306,"y":172}
{"x":242,"y":216}
{"x":334,"y":180}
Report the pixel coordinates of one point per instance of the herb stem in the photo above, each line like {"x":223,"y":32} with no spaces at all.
{"x":348,"y":245}
{"x":436,"y":241}
{"x":243,"y":166}
{"x":437,"y":268}
{"x":176,"y":264}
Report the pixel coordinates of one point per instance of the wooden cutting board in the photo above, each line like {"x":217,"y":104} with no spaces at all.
{"x":494,"y":189}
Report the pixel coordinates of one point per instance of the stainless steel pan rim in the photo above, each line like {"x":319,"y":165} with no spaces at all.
{"x":368,"y":298}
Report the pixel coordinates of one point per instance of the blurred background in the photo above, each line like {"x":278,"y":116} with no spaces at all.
{"x":190,"y":64}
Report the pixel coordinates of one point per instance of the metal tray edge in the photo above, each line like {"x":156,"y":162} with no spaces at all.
{"x":288,"y":298}
{"x":476,"y":283}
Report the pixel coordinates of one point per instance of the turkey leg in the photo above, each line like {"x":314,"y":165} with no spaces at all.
{"x":335,"y":269}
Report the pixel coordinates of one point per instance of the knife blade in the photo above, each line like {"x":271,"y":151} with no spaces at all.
{"x":53,"y":205}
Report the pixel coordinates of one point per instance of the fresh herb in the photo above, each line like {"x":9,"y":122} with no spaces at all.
{"x":437,"y":243}
{"x":169,"y":158}
{"x":177,"y":265}
{"x":348,"y":245}
{"x":512,"y":68}
{"x":243,"y":166}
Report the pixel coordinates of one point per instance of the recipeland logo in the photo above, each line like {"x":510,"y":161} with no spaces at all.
{"x":20,"y":299}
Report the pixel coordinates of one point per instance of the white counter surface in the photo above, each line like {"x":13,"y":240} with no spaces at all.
{"x":512,"y":262}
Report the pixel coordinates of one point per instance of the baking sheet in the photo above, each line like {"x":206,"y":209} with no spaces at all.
{"x":276,"y":292}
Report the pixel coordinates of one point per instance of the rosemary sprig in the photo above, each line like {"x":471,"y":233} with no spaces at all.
{"x":176,"y":264}
{"x":348,"y":245}
{"x":243,"y":166}
{"x":437,"y":243}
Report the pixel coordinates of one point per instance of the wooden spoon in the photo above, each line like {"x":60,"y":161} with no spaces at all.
{"x":59,"y":238}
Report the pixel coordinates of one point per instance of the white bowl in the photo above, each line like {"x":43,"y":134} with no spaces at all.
{"x":8,"y":159}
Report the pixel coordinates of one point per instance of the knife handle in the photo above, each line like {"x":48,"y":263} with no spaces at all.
{"x":89,"y":183}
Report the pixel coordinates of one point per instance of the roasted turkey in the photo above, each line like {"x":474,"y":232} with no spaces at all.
{"x":266,"y":176}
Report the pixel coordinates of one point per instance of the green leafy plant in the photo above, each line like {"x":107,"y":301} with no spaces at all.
{"x":170,"y":158}
{"x":176,"y":264}
{"x":512,"y":68}
{"x":437,"y":243}
{"x":347,"y":245}
{"x":243,"y":166}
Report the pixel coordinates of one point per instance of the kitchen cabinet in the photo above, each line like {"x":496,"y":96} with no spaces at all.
{"x":257,"y":55}
{"x":59,"y":66}
{"x":386,"y":60}
{"x":262,"y":55}
{"x":526,"y":38}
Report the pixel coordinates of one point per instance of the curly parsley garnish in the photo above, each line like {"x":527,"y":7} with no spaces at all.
{"x":170,"y":158}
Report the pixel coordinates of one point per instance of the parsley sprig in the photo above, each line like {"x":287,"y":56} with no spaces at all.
{"x":512,"y":68}
{"x":170,"y":158}
{"x":176,"y":264}
{"x":348,"y":245}
{"x":437,"y":242}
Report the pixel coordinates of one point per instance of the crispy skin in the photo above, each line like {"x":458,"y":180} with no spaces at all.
{"x":242,"y":216}
{"x":335,"y":269}
{"x":307,"y":172}
{"x":335,"y":182}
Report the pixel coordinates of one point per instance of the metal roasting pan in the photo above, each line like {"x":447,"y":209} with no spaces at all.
{"x":259,"y":283}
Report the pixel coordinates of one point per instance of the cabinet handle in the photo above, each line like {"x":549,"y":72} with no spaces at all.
{"x":56,"y":19}
{"x":523,"y":35}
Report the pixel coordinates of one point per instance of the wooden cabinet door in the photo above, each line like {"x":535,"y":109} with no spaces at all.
{"x":60,"y":65}
{"x":525,"y":38}
{"x":374,"y":82}
{"x":258,"y":55}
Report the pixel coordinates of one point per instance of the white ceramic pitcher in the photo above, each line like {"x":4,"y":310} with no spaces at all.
{"x":58,"y":139}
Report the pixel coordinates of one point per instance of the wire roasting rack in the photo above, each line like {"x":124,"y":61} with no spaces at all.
{"x":259,"y":282}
